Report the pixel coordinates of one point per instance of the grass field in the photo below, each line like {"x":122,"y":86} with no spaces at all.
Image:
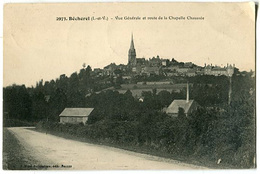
{"x":137,"y":89}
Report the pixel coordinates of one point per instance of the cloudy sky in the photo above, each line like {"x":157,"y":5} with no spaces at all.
{"x":37,"y":46}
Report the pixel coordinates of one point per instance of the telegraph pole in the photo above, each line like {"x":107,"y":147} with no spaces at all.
{"x":230,"y":90}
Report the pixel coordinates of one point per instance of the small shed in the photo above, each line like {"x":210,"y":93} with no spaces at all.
{"x":188,"y":106}
{"x":75,"y":115}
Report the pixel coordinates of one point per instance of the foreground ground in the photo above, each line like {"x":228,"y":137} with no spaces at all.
{"x":52,"y":152}
{"x":15,"y":156}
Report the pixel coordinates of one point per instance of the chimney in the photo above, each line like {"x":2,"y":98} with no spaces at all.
{"x":187,"y":97}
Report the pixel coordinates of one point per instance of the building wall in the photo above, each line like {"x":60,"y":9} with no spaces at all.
{"x":84,"y":120}
{"x":73,"y":120}
{"x":191,"y":74}
{"x":193,"y":107}
{"x":227,"y":71}
{"x":182,"y":70}
{"x":159,"y":83}
{"x":173,"y":114}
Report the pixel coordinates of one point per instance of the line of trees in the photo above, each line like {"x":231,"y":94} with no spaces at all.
{"x":215,"y":131}
{"x":48,"y":99}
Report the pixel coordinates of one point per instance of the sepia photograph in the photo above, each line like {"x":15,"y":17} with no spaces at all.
{"x":129,"y":86}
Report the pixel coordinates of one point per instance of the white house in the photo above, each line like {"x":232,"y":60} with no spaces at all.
{"x":75,"y":115}
{"x":188,"y":105}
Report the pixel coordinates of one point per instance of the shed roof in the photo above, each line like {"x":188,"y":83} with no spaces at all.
{"x":174,"y":106}
{"x":76,"y":112}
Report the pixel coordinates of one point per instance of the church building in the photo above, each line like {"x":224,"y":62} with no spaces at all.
{"x":132,"y":54}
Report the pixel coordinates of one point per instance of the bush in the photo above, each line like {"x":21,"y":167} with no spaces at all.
{"x":17,"y":123}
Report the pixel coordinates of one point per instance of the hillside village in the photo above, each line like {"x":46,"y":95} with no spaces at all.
{"x":159,"y":72}
{"x":141,"y":77}
{"x":160,"y":66}
{"x":166,"y":67}
{"x":157,"y":105}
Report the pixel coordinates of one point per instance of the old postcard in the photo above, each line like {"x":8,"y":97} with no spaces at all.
{"x":129,"y":86}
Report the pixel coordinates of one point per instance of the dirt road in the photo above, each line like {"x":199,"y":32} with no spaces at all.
{"x":59,"y":153}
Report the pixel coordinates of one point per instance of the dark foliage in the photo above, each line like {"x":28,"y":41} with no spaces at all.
{"x":215,"y":131}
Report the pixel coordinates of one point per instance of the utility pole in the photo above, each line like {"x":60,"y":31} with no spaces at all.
{"x":230,"y":90}
{"x":187,"y":93}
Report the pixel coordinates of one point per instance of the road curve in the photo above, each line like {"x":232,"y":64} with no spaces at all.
{"x":60,"y":153}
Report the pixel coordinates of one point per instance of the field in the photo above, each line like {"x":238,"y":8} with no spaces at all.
{"x":137,"y":89}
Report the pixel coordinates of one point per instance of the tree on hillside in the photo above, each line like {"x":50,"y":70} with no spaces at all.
{"x":165,"y":98}
{"x":57,"y":104}
{"x":17,"y":102}
{"x":39,"y":106}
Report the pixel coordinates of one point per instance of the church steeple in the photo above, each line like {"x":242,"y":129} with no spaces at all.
{"x":132,"y":47}
{"x":132,"y":53}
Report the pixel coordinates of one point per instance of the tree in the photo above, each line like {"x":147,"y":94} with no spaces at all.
{"x":39,"y":106}
{"x":17,"y":103}
{"x":165,"y":98}
{"x":57,"y":104}
{"x":154,"y":91}
{"x":181,"y":113}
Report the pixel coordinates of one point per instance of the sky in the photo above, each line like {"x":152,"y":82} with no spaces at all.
{"x":37,"y":46}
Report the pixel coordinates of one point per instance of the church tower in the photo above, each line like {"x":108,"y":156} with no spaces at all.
{"x":132,"y":54}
